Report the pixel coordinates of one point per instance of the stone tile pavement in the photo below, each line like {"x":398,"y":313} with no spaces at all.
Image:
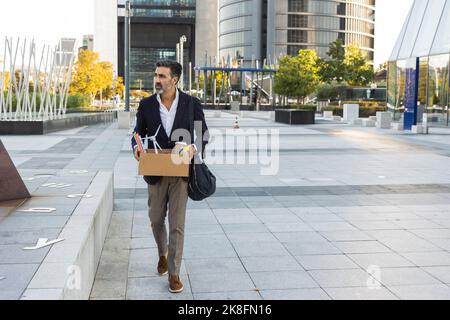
{"x":351,"y":213}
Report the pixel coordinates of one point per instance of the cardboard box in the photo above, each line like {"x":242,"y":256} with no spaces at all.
{"x":163,"y":165}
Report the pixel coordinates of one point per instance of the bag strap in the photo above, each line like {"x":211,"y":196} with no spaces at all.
{"x":200,"y":156}
{"x":191,"y":119}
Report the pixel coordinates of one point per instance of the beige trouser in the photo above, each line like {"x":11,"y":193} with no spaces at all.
{"x":169,"y":193}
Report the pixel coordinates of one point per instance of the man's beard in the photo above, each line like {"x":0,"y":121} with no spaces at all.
{"x":159,"y":89}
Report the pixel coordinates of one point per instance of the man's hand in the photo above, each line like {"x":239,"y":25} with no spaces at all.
{"x":192,"y":151}
{"x":181,"y":150}
{"x":137,"y":154}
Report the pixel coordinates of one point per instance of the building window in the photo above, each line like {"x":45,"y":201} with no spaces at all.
{"x":142,"y":65}
{"x":297,"y":36}
{"x":298,"y":5}
{"x":297,"y":21}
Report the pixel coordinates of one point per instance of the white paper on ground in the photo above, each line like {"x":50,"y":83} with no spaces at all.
{"x":43,"y":242}
{"x":39,"y":210}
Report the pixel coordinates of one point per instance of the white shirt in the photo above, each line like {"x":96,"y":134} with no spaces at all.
{"x":168,"y":117}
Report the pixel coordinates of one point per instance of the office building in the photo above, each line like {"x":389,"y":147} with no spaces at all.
{"x":156,"y":28}
{"x":262,"y":29}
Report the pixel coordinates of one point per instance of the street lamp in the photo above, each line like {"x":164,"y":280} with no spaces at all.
{"x":183,"y":39}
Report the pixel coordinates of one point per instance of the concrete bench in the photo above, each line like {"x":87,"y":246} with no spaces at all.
{"x":384,"y":120}
{"x":351,"y":112}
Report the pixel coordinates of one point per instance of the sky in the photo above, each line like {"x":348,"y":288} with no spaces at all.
{"x":389,"y":18}
{"x":48,"y":20}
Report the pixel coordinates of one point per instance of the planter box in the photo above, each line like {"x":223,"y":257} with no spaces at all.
{"x":41,"y":127}
{"x":295,"y":116}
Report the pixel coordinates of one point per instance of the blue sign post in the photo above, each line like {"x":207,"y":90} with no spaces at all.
{"x":411,"y":93}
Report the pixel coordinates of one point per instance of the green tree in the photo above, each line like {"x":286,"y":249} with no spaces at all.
{"x":117,"y":87}
{"x":359,"y":72}
{"x":346,"y":64}
{"x":105,"y":79}
{"x":298,"y":76}
{"x":334,"y":69}
{"x":85,"y":78}
{"x":91,"y":77}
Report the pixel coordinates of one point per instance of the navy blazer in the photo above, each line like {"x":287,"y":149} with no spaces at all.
{"x":148,"y":119}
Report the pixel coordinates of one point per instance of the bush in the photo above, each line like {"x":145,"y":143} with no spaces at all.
{"x":330,"y":92}
{"x":73,"y":101}
{"x":77,"y":100}
{"x":308,"y":107}
{"x":367,"y":103}
{"x":364,"y":112}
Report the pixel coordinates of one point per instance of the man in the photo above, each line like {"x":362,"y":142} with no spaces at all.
{"x":168,"y":108}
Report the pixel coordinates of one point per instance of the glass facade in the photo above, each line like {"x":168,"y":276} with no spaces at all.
{"x":156,"y":26}
{"x":268,"y":28}
{"x":424,"y":37}
{"x":142,"y":64}
{"x":313,"y":24}
{"x":162,"y":8}
{"x":240,"y":29}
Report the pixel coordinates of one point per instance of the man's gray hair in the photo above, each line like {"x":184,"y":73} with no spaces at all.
{"x":175,"y":68}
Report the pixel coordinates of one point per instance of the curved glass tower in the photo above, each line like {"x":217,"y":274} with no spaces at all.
{"x":269,"y":28}
{"x":240,"y":28}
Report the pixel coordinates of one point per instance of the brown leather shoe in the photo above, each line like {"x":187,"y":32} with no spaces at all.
{"x":162,"y":266}
{"x":175,"y":284}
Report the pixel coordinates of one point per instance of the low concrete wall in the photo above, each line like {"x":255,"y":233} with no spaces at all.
{"x":43,"y":127}
{"x":68,"y":271}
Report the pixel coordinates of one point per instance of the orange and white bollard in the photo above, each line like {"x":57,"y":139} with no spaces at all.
{"x":236,"y":124}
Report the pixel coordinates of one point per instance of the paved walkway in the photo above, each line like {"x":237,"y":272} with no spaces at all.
{"x":52,"y":158}
{"x":352,"y":213}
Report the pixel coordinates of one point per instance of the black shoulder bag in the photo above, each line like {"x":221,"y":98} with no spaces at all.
{"x":202,"y":183}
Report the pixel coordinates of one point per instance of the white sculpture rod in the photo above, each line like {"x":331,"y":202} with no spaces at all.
{"x":67,"y":79}
{"x":48,"y":113}
{"x":60,"y":80}
{"x":19,"y":86}
{"x":26,"y":107}
{"x":47,"y":76}
{"x":39,"y":82}
{"x":45,"y":87}
{"x":36,"y":84}
{"x":11,"y":77}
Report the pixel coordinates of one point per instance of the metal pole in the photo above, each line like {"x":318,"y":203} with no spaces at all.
{"x":214,"y":89}
{"x":127,"y":55}
{"x":190,"y":78}
{"x":183,"y":39}
{"x":198,"y":83}
{"x":205,"y":80}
